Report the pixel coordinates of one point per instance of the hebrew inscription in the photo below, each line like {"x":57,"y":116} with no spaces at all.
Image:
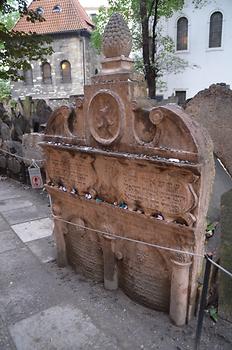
{"x":77,"y":173}
{"x":156,"y":191}
{"x":146,"y":187}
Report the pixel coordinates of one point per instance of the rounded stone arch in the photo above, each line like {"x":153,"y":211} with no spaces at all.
{"x":28,"y":76}
{"x":79,"y":240}
{"x":46,"y":73}
{"x":139,"y":280}
{"x":58,"y":122}
{"x":66,"y":71}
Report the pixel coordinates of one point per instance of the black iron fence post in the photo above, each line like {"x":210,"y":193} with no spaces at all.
{"x":203,"y":302}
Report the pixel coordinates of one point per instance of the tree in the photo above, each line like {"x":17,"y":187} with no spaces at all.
{"x":17,"y":49}
{"x":144,"y":19}
{"x":4,"y":90}
{"x":150,"y":12}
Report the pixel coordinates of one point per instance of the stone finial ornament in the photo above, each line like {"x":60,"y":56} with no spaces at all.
{"x":117,"y":39}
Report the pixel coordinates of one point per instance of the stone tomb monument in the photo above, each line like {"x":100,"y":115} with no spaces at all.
{"x":118,"y":166}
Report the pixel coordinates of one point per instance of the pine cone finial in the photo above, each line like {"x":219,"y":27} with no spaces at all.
{"x":117,"y":39}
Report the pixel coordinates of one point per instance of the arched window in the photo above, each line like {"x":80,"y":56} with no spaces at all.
{"x":46,"y":73}
{"x":65,"y":71}
{"x":182,"y":34}
{"x":215,"y":29}
{"x":28,"y":76}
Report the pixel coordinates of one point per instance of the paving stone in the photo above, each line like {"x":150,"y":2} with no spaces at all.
{"x":44,"y":249}
{"x":26,"y":287}
{"x":9,"y":240}
{"x":26,"y":214}
{"x":9,"y":183}
{"x":14,"y":203}
{"x":3,"y":224}
{"x":60,"y":328}
{"x":6,"y":342}
{"x":12,"y":189}
{"x":7,"y":193}
{"x":35,"y":229}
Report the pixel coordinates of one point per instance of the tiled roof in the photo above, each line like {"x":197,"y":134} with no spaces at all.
{"x":71,"y":17}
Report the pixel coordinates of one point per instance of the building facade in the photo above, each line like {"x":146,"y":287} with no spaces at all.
{"x":91,"y":7}
{"x":203,"y":38}
{"x":73,"y":62}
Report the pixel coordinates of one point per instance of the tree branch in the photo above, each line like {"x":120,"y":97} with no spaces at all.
{"x":153,"y":50}
{"x":151,"y":8}
{"x":145,"y":34}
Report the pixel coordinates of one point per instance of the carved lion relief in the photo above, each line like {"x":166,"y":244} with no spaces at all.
{"x":105,"y":116}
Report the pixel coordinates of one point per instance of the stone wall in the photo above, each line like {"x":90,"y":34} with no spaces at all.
{"x":72,"y":47}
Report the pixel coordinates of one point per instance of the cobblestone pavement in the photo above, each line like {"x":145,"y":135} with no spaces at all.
{"x":45,"y":307}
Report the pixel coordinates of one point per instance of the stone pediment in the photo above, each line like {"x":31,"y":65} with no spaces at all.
{"x":105,"y":122}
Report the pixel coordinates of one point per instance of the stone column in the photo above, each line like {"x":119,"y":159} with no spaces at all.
{"x":179,"y":292}
{"x":59,"y":231}
{"x":110,"y":264}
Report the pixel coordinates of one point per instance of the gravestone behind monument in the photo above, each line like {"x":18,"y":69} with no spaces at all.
{"x":225,"y":281}
{"x":31,"y":149}
{"x":120,"y":166}
{"x":222,"y":184}
{"x":212,"y":108}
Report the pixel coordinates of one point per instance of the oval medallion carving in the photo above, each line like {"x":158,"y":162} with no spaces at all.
{"x":105,"y":115}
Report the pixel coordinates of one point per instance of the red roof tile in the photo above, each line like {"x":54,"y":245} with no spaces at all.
{"x":71,"y":17}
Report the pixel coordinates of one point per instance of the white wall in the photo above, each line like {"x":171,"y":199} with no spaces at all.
{"x":92,"y":6}
{"x":93,"y":3}
{"x":207,"y":66}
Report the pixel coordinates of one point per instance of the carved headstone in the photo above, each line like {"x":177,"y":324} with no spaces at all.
{"x":212,"y":108}
{"x":42,"y":111}
{"x":20,"y":126}
{"x":225,"y":285}
{"x":222,"y":184}
{"x":31,"y":149}
{"x":4,"y":131}
{"x":119,"y":166}
{"x":2,"y":110}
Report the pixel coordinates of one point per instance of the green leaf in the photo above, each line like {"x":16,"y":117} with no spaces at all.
{"x":213,"y":313}
{"x":17,"y":49}
{"x":211,"y":226}
{"x":4,"y":90}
